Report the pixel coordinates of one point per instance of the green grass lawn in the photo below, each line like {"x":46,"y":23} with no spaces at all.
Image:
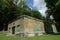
{"x":42,"y":37}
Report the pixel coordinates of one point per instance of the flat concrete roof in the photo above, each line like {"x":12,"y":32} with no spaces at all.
{"x":22,"y":16}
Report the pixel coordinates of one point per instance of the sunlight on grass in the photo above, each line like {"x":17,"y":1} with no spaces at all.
{"x":42,"y":37}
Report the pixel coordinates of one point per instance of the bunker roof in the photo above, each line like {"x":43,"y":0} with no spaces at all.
{"x":22,"y":16}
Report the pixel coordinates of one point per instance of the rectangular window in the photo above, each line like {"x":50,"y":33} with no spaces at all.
{"x":10,"y":30}
{"x":37,"y":28}
{"x":18,"y":28}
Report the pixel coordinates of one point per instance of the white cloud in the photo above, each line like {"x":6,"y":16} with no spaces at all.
{"x":43,"y":10}
{"x":40,"y":5}
{"x":31,"y":7}
{"x":51,"y":17}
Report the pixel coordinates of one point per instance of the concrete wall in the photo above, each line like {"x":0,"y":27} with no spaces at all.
{"x":28,"y":26}
{"x":15,"y":23}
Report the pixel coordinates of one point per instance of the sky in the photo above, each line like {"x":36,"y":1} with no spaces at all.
{"x":39,"y":5}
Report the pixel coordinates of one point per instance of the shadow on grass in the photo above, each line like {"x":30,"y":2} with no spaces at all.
{"x":55,"y":33}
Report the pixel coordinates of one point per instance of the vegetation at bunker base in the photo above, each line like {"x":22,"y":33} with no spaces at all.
{"x":42,"y":37}
{"x":5,"y":37}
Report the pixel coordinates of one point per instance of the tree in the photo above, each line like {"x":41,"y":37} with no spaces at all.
{"x":53,"y":9}
{"x":10,"y":11}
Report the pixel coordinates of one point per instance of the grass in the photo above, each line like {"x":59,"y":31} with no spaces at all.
{"x":3,"y":36}
{"x":42,"y":37}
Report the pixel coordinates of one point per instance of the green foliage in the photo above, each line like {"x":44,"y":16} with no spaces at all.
{"x":54,"y":9}
{"x":10,"y":11}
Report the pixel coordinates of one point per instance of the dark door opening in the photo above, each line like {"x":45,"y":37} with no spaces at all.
{"x":13,"y":30}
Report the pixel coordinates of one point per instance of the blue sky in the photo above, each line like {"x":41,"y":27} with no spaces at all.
{"x":39,"y":5}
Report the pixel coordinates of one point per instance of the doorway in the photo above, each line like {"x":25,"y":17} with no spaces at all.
{"x":13,"y":30}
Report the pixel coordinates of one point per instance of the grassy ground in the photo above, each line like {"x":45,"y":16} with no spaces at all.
{"x":42,"y":37}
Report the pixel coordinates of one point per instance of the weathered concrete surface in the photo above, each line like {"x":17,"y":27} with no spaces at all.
{"x":28,"y":26}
